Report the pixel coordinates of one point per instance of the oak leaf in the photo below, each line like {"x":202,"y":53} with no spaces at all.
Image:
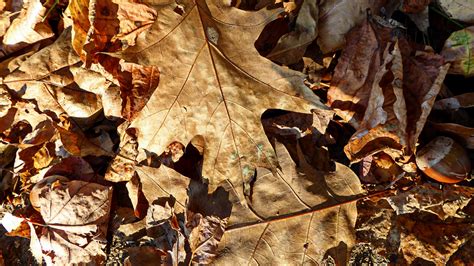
{"x":279,"y":205}
{"x":300,"y":214}
{"x":214,"y":85}
{"x":327,"y":22}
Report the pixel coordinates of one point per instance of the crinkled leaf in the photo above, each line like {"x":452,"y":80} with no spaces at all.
{"x":99,"y":24}
{"x":337,"y":17}
{"x":385,"y":90}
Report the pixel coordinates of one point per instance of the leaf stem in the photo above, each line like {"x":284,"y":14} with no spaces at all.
{"x":304,"y":212}
{"x":50,"y":9}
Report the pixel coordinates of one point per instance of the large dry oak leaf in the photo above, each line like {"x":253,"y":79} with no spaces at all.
{"x":214,"y":84}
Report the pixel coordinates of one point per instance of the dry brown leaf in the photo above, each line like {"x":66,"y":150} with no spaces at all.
{"x":191,"y":238}
{"x":462,"y":10}
{"x":75,"y":215}
{"x":431,"y":241}
{"x":291,"y":46}
{"x":459,"y":51}
{"x":282,"y":203}
{"x":46,"y":78}
{"x":337,"y":17}
{"x":163,"y":182}
{"x":122,"y":168}
{"x":214,"y":85}
{"x":29,"y":27}
{"x":98,"y":25}
{"x":328,"y":21}
{"x":385,"y":89}
{"x":145,"y":255}
{"x":204,"y":237}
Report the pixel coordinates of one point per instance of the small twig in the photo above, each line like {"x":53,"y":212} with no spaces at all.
{"x":56,"y":2}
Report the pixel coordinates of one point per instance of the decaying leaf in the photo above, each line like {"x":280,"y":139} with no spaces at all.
{"x":43,"y":77}
{"x":206,"y":233}
{"x":214,"y":85}
{"x":385,"y":88}
{"x":459,"y":51}
{"x":218,"y":155}
{"x":422,"y":241}
{"x":327,"y":22}
{"x":291,"y":46}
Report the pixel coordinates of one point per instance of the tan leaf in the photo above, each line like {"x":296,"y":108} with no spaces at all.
{"x":163,"y":182}
{"x":462,"y":10}
{"x":145,"y":255}
{"x":214,"y":85}
{"x":291,"y":46}
{"x":432,"y":241}
{"x":77,"y":144}
{"x":122,"y":168}
{"x":44,"y":77}
{"x":5,"y":101}
{"x":206,"y":233}
{"x":459,"y":51}
{"x":29,"y":27}
{"x":76,"y":216}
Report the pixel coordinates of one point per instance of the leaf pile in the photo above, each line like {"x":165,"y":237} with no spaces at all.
{"x":232,"y":132}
